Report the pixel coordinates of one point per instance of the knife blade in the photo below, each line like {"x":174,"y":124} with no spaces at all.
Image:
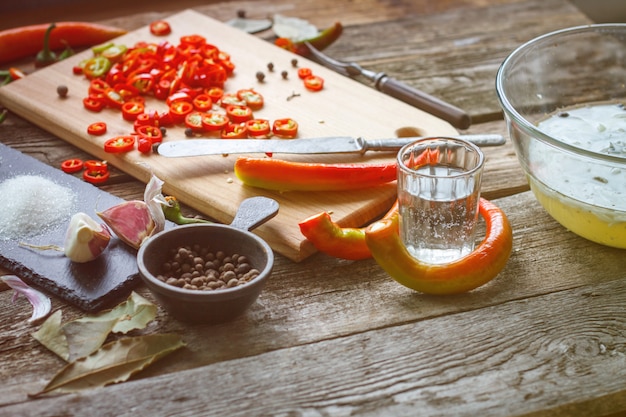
{"x":325,"y":145}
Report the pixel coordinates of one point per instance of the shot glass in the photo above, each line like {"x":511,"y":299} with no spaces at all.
{"x":438,"y":193}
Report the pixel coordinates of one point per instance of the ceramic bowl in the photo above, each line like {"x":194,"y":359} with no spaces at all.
{"x":218,"y":305}
{"x":563,"y":97}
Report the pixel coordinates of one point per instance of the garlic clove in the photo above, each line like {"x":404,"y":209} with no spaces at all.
{"x":85,"y":239}
{"x":40,"y":302}
{"x":131,"y":221}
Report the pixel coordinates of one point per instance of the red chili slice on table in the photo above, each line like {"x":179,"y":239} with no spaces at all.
{"x":120,"y":144}
{"x":314,"y":83}
{"x":194,"y":121}
{"x":131,"y":110}
{"x":96,"y":177}
{"x":253,"y":99}
{"x":97,"y":128}
{"x":234,"y":131}
{"x":152,"y":133}
{"x":96,"y":166}
{"x":304,"y":72}
{"x":93,"y":104}
{"x":258,"y":128}
{"x":287,"y":128}
{"x":160,"y":28}
{"x":239,"y":114}
{"x":213,"y":122}
{"x":72,"y":165}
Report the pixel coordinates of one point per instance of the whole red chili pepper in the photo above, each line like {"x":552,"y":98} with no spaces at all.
{"x":281,"y":175}
{"x":24,"y":41}
{"x":334,"y":240}
{"x":479,"y":267}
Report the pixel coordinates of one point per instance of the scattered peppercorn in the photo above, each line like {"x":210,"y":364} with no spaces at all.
{"x":260,"y":76}
{"x":241,"y":14}
{"x":284,"y":74}
{"x":270,"y":66}
{"x":197,"y":268}
{"x":62,"y":91}
{"x":189,"y":132}
{"x":163,"y":131}
{"x":294,"y":62}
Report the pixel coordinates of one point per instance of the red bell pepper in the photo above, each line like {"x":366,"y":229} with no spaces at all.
{"x":281,"y":175}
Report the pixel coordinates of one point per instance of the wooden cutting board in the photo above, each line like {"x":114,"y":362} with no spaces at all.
{"x":344,"y":107}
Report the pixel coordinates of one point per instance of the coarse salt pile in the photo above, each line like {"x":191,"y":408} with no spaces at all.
{"x":32,"y":204}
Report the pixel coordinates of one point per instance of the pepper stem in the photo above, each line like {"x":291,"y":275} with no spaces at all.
{"x":46,"y":56}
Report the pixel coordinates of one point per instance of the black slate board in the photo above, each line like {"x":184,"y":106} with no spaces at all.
{"x":91,"y":286}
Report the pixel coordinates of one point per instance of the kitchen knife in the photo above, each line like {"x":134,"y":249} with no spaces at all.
{"x":326,"y":145}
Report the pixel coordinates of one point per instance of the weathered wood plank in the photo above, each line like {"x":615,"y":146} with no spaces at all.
{"x":324,"y":298}
{"x":524,"y":357}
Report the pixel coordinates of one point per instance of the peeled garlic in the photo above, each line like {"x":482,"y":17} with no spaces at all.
{"x":85,"y":239}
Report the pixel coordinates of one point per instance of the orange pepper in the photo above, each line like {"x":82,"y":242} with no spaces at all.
{"x":477,"y":268}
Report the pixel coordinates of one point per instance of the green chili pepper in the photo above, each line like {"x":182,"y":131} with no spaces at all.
{"x":173,"y":213}
{"x":46,"y":56}
{"x":3,"y":115}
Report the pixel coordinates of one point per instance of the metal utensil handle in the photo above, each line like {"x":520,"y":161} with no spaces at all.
{"x":253,"y":212}
{"x":451,"y":114}
{"x":394,"y":144}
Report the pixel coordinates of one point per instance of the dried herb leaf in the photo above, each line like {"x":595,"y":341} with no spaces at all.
{"x":51,"y":335}
{"x":114,"y":362}
{"x":79,"y":338}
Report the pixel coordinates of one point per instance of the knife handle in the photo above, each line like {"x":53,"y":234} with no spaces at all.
{"x":439,"y":108}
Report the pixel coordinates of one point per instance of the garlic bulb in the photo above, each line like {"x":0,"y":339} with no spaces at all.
{"x":85,"y":239}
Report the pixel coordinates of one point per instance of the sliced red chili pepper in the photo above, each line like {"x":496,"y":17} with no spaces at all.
{"x":143,"y":82}
{"x":253,"y":99}
{"x":144,"y":145}
{"x":179,"y":110}
{"x":234,"y":131}
{"x":93,"y":104}
{"x":304,"y":72}
{"x":314,"y":83}
{"x":202,"y":102}
{"x":281,"y":175}
{"x":126,"y":91}
{"x":239,"y":114}
{"x":160,"y":28}
{"x":150,"y":132}
{"x":286,"y":128}
{"x":93,"y":165}
{"x":194,"y":121}
{"x":216,"y":93}
{"x":120,"y":144}
{"x":193,"y":40}
{"x":97,"y":128}
{"x":96,"y":177}
{"x":98,"y":86}
{"x":131,"y":110}
{"x":477,"y":268}
{"x":258,"y":128}
{"x":72,"y":165}
{"x":212,"y":122}
{"x":231,"y":99}
{"x":113,"y":98}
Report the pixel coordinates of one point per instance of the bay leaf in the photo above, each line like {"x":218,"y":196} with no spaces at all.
{"x":51,"y":335}
{"x":85,"y":335}
{"x":112,"y":363}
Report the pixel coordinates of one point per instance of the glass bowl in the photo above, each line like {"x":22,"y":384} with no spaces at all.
{"x":563,"y":96}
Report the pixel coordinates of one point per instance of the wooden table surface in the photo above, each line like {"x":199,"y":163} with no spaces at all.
{"x":329,"y":337}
